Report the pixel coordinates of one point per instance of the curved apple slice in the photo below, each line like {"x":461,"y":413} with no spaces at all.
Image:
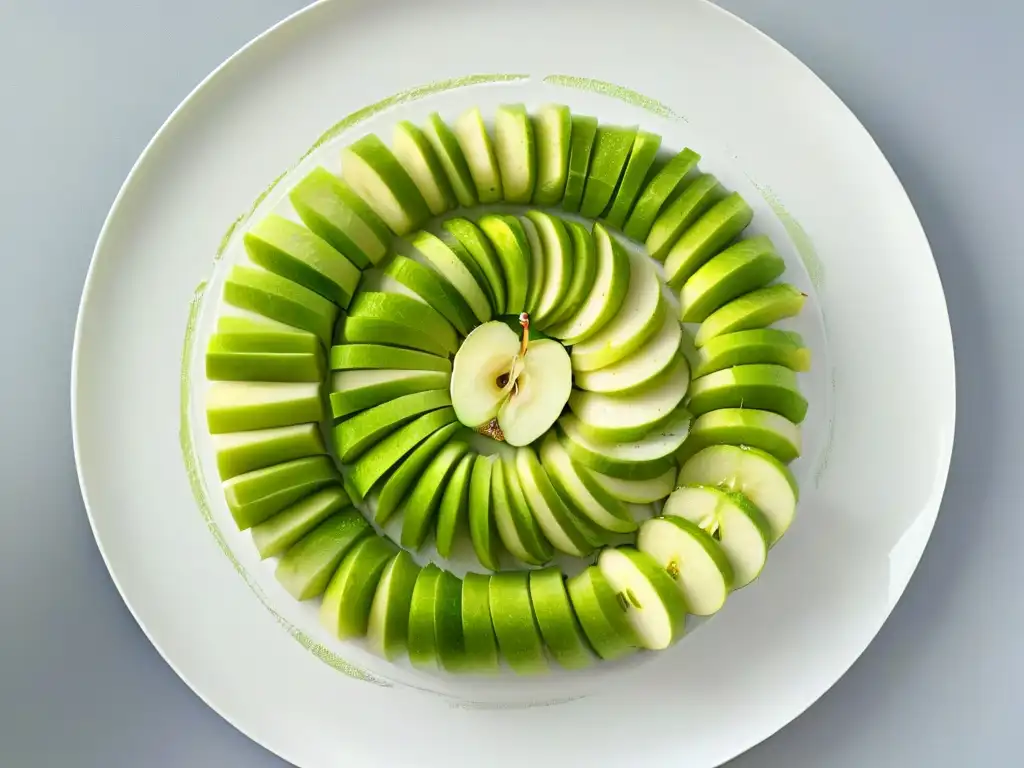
{"x":556,"y":250}
{"x":637,"y":368}
{"x":640,"y":460}
{"x":636,"y":491}
{"x":744,"y":427}
{"x":552,"y":127}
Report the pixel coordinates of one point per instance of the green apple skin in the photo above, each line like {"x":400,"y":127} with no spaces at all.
{"x":552,"y":128}
{"x":552,"y":515}
{"x":764,"y":387}
{"x":641,"y":159}
{"x":643,"y":460}
{"x":240,"y":452}
{"x":639,"y":368}
{"x":610,"y":287}
{"x":411,"y":315}
{"x":657,"y":193}
{"x":756,"y":309}
{"x":247,"y":334}
{"x":446,"y":145}
{"x":483,"y":530}
{"x":508,"y":518}
{"x":279,"y":299}
{"x":471,"y":262}
{"x":679,"y":215}
{"x":393,"y":493}
{"x":481,"y":646}
{"x":768,"y":346}
{"x":374,"y":464}
{"x":538,"y":278}
{"x":583,"y":131}
{"x":345,"y":609}
{"x":584,"y":273}
{"x":654,"y":605}
{"x":239,"y":406}
{"x":435,"y":290}
{"x":348,"y":357}
{"x":764,"y":430}
{"x":448,"y":633}
{"x":358,"y":390}
{"x":530,"y":532}
{"x":714,"y":230}
{"x":355,"y":435}
{"x":508,"y":238}
{"x":755,"y":474}
{"x":601,"y":616}
{"x":255,"y":496}
{"x":293,"y":252}
{"x":422,"y":504}
{"x":479,"y":247}
{"x":374,"y":173}
{"x":422,"y":642}
{"x":417,"y":156}
{"x":454,"y":508}
{"x":264,"y":366}
{"x":333,"y":211}
{"x":278,"y":533}
{"x":607,"y":164}
{"x":478,"y":149}
{"x":557,"y":621}
{"x":635,"y":491}
{"x":516,"y":150}
{"x":743,"y":267}
{"x":556,"y":251}
{"x":457,"y":266}
{"x":519,"y":638}
{"x":306,"y":568}
{"x":388,"y":627}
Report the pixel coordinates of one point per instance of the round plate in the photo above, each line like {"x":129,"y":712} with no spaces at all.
{"x":879,"y":436}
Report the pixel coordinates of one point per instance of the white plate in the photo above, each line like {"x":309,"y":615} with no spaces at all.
{"x":879,"y":435}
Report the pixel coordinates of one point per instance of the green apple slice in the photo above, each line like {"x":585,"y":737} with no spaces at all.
{"x":249,"y":334}
{"x":306,"y":568}
{"x":435,"y":290}
{"x":412,"y":149}
{"x":239,"y":452}
{"x":471,"y":261}
{"x":657,"y":193}
{"x":559,"y":627}
{"x":446,"y":145}
{"x":765,"y":430}
{"x":638,"y":460}
{"x":766,"y":387}
{"x":457,"y":271}
{"x":640,"y":367}
{"x":638,"y":317}
{"x":508,"y":237}
{"x":529,"y":529}
{"x":348,"y":357}
{"x":479,"y":247}
{"x":354,"y":436}
{"x":641,"y":158}
{"x":583,"y":131}
{"x":358,"y":390}
{"x":631,"y":416}
{"x":483,"y":531}
{"x":514,"y":623}
{"x":538,"y":393}
{"x":422,"y":504}
{"x":277,"y":534}
{"x":239,"y":406}
{"x":653,"y":604}
{"x":376,"y":176}
{"x":692,"y":558}
{"x":739,"y":528}
{"x":394,"y":491}
{"x":635,"y":491}
{"x":708,"y":235}
{"x":448,"y":634}
{"x":537,"y":277}
{"x":483,"y":374}
{"x":601,"y":615}
{"x":740,"y":268}
{"x":481,"y":646}
{"x":390,"y":318}
{"x":757,"y":475}
{"x":255,"y":496}
{"x":263,"y":366}
{"x":556,"y":252}
{"x":422,"y":641}
{"x":517,"y":529}
{"x":332,"y":210}
{"x":279,"y":299}
{"x":346,"y":605}
{"x":677,"y":217}
{"x":756,"y":309}
{"x":552,"y":127}
{"x":516,"y":151}
{"x":607,"y":164}
{"x":293,"y":252}
{"x":760,"y":345}
{"x":387,"y":631}
{"x":454,"y":508}
{"x":610,"y":287}
{"x":479,"y":153}
{"x":550,"y":512}
{"x":584,"y":274}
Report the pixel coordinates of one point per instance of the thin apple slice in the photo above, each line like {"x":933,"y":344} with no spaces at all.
{"x":654,"y":607}
{"x":347,"y":357}
{"x":556,"y":251}
{"x":458,"y":271}
{"x":239,"y":406}
{"x":251,"y":334}
{"x":419,"y":509}
{"x":483,"y":374}
{"x":516,"y":527}
{"x":434,"y":289}
{"x":657,"y":193}
{"x":607,"y":163}
{"x":552,"y":127}
{"x":390,"y":318}
{"x":557,"y":621}
{"x":679,"y":215}
{"x":756,"y":309}
{"x":255,"y":496}
{"x":348,"y":599}
{"x":279,"y":299}
{"x":277,"y":534}
{"x":583,"y":131}
{"x":765,"y":387}
{"x":516,"y":151}
{"x":480,"y":156}
{"x":640,"y":367}
{"x":601,"y":615}
{"x":412,"y":149}
{"x":372,"y":171}
{"x":538,"y":394}
{"x":760,"y":345}
{"x":537,"y":274}
{"x":354,"y":436}
{"x":743,"y":267}
{"x":387,"y":631}
{"x":481,"y":646}
{"x":239,"y":452}
{"x":508,"y":237}
{"x":514,"y":624}
{"x":422,"y":638}
{"x":355,"y":391}
{"x":638,"y":460}
{"x":446,"y":145}
{"x":584,"y":274}
{"x":454,"y":508}
{"x":262,"y":366}
{"x":451,"y":643}
{"x":757,"y":475}
{"x":483,"y":531}
{"x":635,"y":491}
{"x":641,"y":158}
{"x":395,"y":489}
{"x":765,"y":430}
{"x":554,"y":518}
{"x":692,"y":558}
{"x":479,"y":248}
{"x":306,"y":568}
{"x":731,"y":520}
{"x":708,"y":235}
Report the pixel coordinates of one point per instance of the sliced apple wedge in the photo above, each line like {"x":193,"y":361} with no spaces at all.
{"x":552,"y":128}
{"x":477,"y":624}
{"x":514,"y":623}
{"x":505,"y":515}
{"x":446,"y":145}
{"x":583,"y":131}
{"x":306,"y":568}
{"x":348,"y":599}
{"x":584,"y":273}
{"x":761,"y":345}
{"x":765,"y":387}
{"x":354,"y":436}
{"x":453,"y":511}
{"x":530,"y":532}
{"x":239,"y":452}
{"x":744,"y":426}
{"x":516,"y":151}
{"x":483,"y":531}
{"x":375,"y":174}
{"x":239,"y":406}
{"x":475,"y":242}
{"x":480,"y":156}
{"x":459,"y":271}
{"x":390,"y":318}
{"x":638,"y":460}
{"x":508,"y":237}
{"x":355,"y":391}
{"x":677,"y":217}
{"x":451,"y":643}
{"x":756,"y":309}
{"x":413,"y":150}
{"x":557,"y":621}
{"x":556,"y":251}
{"x":279,"y":299}
{"x":636,"y":491}
{"x":422,"y":637}
{"x":251,"y":334}
{"x":601,"y":615}
{"x":395,"y":489}
{"x":431,"y":286}
{"x":347,"y":357}
{"x":255,"y":496}
{"x":537,"y":265}
{"x":387,"y":631}
{"x":657,"y":193}
{"x":419,"y":509}
{"x":639,"y":368}
{"x":743,"y":267}
{"x":262,"y":366}
{"x":607,"y":163}
{"x":554,"y":518}
{"x":641,"y":158}
{"x":277,"y":534}
{"x":653,"y":604}
{"x":706,"y":237}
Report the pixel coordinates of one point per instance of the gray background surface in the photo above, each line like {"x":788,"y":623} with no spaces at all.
{"x":83,"y":87}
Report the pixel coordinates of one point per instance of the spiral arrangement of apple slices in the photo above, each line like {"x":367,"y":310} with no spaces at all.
{"x":562,"y":346}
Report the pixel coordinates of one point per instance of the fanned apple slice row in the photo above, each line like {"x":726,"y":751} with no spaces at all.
{"x":375,"y":174}
{"x":401,"y":321}
{"x":419,"y":509}
{"x":505,"y":515}
{"x":478,"y":150}
{"x":349,"y":357}
{"x":552,"y":128}
{"x":556,"y":251}
{"x":475,"y":242}
{"x":276,"y":534}
{"x":277,"y":298}
{"x":222,"y":365}
{"x":512,"y":248}
{"x":744,"y":426}
{"x":655,"y":195}
{"x":516,"y":151}
{"x":417,"y":156}
{"x":581,"y":146}
{"x":550,"y":512}
{"x":434,"y":289}
{"x":355,"y":391}
{"x":449,"y":153}
{"x":607,"y":163}
{"x":451,"y":266}
{"x":306,"y":568}
{"x":639,"y":368}
{"x":483,"y":531}
{"x":251,"y":334}
{"x":638,"y":460}
{"x":636,"y":491}
{"x":355,"y":435}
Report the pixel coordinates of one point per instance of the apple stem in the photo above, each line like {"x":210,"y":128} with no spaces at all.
{"x":524,"y":320}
